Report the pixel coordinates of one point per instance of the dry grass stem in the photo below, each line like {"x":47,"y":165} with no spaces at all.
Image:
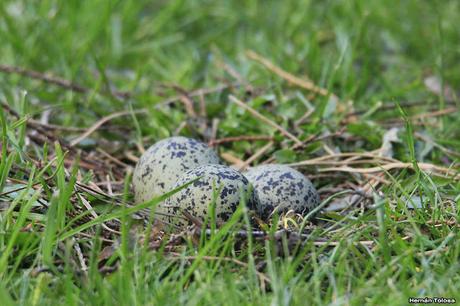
{"x":261,"y":117}
{"x":256,"y":155}
{"x":216,"y":142}
{"x":306,"y":84}
{"x":99,"y":123}
{"x":230,"y":158}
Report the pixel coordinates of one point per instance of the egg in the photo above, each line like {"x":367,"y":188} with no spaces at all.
{"x":282,"y":188}
{"x":163,"y":163}
{"x":197,"y":197}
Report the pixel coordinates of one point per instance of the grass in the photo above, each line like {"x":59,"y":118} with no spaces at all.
{"x":67,"y":235}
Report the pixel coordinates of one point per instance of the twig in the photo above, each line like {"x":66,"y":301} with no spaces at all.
{"x":232,"y":159}
{"x":239,"y":138}
{"x":203,"y":112}
{"x":314,"y":161}
{"x":195,"y":93}
{"x":80,"y":256}
{"x":386,"y":164}
{"x":336,"y":243}
{"x":109,"y":185}
{"x":95,"y":126}
{"x":214,"y":129}
{"x":180,"y":127}
{"x":93,"y":212}
{"x":310,"y":139}
{"x":235,"y":74}
{"x":111,"y":158}
{"x":264,"y":119}
{"x":55,"y":127}
{"x":186,"y":100}
{"x":391,"y":107}
{"x":256,"y":155}
{"x":43,"y":77}
{"x":58,"y":81}
{"x":419,"y":117}
{"x":390,"y":166}
{"x":48,"y":78}
{"x":129,"y":155}
{"x":435,"y":113}
{"x":304,"y":117}
{"x":306,"y":84}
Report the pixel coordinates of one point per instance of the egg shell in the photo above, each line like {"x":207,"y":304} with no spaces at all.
{"x":283,"y":188}
{"x":197,"y":197}
{"x":163,"y":163}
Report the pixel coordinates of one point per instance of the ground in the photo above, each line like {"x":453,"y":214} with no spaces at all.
{"x":361,"y":96}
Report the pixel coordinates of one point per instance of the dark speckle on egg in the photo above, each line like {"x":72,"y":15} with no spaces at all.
{"x":282,"y":188}
{"x":197,"y":197}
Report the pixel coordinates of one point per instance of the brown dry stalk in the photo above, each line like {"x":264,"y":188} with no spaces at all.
{"x":186,"y":100}
{"x":230,"y":158}
{"x":196,"y":93}
{"x":310,"y":139}
{"x":112,"y":158}
{"x":215,"y":142}
{"x":58,"y":81}
{"x":261,"y":117}
{"x":442,"y":112}
{"x":399,"y":165}
{"x":385,"y":164}
{"x":336,"y":243}
{"x":55,"y":126}
{"x":43,"y":77}
{"x":327,"y":158}
{"x":336,"y":163}
{"x":188,"y":104}
{"x":306,"y":84}
{"x":256,"y":155}
{"x":103,"y":120}
{"x":66,"y":84}
{"x":129,"y":155}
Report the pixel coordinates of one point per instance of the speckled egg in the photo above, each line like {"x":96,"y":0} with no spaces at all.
{"x":197,"y":197}
{"x":283,"y":188}
{"x":163,"y":163}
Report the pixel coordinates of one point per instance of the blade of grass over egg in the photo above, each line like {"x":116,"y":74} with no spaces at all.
{"x":211,"y":215}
